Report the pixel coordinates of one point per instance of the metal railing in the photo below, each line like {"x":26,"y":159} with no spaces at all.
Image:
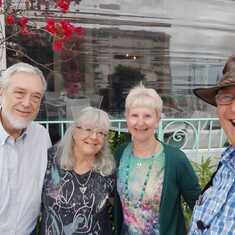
{"x":195,"y":136}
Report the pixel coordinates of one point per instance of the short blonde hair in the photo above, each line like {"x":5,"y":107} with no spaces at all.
{"x":142,"y":96}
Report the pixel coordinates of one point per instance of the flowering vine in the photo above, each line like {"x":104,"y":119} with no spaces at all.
{"x":24,"y":31}
{"x":61,"y":30}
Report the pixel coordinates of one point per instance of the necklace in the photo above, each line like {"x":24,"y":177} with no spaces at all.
{"x":83,"y":186}
{"x":126,"y":192}
{"x":139,"y":165}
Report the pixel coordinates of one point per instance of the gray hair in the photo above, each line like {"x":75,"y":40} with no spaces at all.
{"x":24,"y":68}
{"x":104,"y":162}
{"x":142,"y":96}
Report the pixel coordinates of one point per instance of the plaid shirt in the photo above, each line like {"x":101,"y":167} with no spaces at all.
{"x":214,"y":212}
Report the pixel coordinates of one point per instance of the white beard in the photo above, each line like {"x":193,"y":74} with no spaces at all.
{"x":16,"y":124}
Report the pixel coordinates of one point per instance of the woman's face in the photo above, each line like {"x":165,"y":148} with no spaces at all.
{"x":88,"y":140}
{"x":142,"y":122}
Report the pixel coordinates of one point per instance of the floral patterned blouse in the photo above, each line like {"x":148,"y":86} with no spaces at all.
{"x":139,"y":185}
{"x":75,"y":204}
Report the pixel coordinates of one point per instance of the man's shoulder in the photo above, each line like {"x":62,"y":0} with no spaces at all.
{"x":37,"y":133}
{"x":37,"y":127}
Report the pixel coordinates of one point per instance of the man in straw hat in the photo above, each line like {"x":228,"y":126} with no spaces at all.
{"x":214,"y":212}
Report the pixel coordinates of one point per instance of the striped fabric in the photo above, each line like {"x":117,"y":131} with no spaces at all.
{"x":214,"y":213}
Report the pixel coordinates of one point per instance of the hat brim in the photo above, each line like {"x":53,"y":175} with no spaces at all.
{"x":207,"y":94}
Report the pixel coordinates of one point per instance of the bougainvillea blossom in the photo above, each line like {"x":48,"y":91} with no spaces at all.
{"x":58,"y":44}
{"x":68,"y":29}
{"x":23,"y":21}
{"x":10,"y":20}
{"x":62,"y":31}
{"x":24,"y":30}
{"x":51,"y":26}
{"x":63,"y":5}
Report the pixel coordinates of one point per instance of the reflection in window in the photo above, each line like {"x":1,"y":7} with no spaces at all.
{"x":108,"y":61}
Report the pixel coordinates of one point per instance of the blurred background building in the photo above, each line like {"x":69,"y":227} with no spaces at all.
{"x":172,"y":46}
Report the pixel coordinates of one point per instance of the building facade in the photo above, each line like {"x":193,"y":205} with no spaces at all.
{"x":171,"y":46}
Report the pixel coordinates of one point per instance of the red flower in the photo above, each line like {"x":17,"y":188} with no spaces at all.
{"x":24,"y":30}
{"x":51,"y":26}
{"x":23,"y":21}
{"x":68,"y":29}
{"x":10,"y":19}
{"x":80,"y":31}
{"x":58,"y":44}
{"x":63,"y":4}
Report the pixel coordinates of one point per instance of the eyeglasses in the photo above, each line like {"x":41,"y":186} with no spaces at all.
{"x":89,"y":131}
{"x":224,"y":98}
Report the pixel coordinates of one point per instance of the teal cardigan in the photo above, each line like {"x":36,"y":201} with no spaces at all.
{"x":179,"y":180}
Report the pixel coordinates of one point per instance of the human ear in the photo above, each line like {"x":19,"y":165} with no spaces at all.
{"x":158,"y":117}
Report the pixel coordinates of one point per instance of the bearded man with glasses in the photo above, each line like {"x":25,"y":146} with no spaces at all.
{"x":214,"y":212}
{"x":23,"y":148}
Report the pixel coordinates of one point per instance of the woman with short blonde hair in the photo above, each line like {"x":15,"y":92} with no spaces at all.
{"x":142,"y":96}
{"x":151,"y":176}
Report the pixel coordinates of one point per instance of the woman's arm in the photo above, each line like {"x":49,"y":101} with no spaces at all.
{"x":187,"y":181}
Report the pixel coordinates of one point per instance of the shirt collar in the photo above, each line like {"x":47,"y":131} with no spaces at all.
{"x":3,"y":134}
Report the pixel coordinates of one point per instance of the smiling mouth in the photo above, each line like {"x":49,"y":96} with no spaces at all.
{"x":23,"y":112}
{"x":141,"y":130}
{"x":233,"y":122}
{"x":90,"y":143}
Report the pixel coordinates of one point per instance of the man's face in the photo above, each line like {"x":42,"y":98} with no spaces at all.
{"x":226,"y":114}
{"x":21,"y":99}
